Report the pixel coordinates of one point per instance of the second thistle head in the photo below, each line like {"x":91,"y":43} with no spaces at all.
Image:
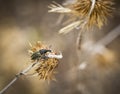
{"x":87,"y":14}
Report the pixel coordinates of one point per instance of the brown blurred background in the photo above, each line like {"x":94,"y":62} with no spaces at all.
{"x":23,"y":21}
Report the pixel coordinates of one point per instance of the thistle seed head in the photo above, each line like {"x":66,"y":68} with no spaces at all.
{"x":48,"y":60}
{"x":101,"y":10}
{"x":88,"y":13}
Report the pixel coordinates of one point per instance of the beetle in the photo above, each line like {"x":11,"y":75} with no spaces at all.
{"x":40,"y":54}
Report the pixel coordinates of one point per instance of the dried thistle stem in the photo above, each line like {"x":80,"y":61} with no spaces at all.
{"x":79,"y":40}
{"x":92,"y":7}
{"x":6,"y":87}
{"x":18,"y":76}
{"x":25,"y":71}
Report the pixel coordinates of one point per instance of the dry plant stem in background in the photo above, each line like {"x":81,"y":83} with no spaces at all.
{"x":100,"y":45}
{"x":110,"y":36}
{"x":96,"y":48}
{"x":44,"y":61}
{"x":79,"y":41}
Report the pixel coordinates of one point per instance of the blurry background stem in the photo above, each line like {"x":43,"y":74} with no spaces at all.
{"x":79,"y":40}
{"x":111,"y":36}
{"x":100,"y":45}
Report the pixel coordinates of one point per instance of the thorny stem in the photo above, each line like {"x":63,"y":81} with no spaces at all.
{"x":27,"y":70}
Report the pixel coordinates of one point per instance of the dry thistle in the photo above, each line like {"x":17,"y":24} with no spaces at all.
{"x":48,"y":60}
{"x":43,"y":59}
{"x":87,"y":13}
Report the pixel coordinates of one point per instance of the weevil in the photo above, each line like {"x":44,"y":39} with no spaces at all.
{"x":40,"y":54}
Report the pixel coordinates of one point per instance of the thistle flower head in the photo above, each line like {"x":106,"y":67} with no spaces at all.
{"x":96,"y":10}
{"x":89,"y":13}
{"x":47,"y":60}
